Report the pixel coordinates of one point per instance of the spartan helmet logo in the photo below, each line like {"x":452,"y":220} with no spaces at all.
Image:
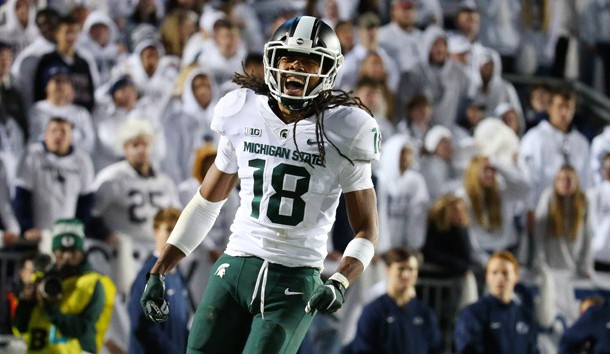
{"x":67,"y":241}
{"x":284,"y":133}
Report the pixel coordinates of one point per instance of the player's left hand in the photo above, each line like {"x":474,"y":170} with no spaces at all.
{"x":327,"y":298}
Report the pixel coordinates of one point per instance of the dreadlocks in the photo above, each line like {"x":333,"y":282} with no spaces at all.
{"x":326,"y":100}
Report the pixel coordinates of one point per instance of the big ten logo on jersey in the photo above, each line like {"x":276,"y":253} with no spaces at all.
{"x":253,"y":131}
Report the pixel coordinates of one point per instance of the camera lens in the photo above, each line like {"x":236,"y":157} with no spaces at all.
{"x":51,"y":288}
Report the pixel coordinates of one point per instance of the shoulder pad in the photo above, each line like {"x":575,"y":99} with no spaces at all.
{"x":355,"y":132}
{"x":227,"y":106}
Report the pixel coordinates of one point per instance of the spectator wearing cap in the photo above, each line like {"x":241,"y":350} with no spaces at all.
{"x":539,"y":97}
{"x":24,"y":67}
{"x":442,"y":80}
{"x":54,"y":180}
{"x":59,"y":92}
{"x":436,"y":163}
{"x":489,"y":87}
{"x":459,"y":48}
{"x":77,"y":320}
{"x":19,"y":28}
{"x":128,"y":194}
{"x":108,"y":118}
{"x":81,"y":66}
{"x":400,"y":38}
{"x":368,"y":27}
{"x":99,"y":38}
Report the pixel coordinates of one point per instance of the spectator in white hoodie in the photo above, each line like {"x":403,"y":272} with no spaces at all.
{"x":20,"y":27}
{"x":99,"y":36}
{"x":599,"y":212}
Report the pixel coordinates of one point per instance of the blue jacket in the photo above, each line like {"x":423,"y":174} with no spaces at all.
{"x":384,"y":327}
{"x":490,"y":326}
{"x":169,"y":337}
{"x":593,"y":327}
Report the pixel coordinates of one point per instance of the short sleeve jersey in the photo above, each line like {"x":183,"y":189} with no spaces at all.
{"x":288,"y":194}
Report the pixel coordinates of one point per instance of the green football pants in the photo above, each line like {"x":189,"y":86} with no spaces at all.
{"x":253,"y":306}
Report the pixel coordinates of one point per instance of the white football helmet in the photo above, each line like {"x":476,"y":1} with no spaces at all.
{"x":310,"y":36}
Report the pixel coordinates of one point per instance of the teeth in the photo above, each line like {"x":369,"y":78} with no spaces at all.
{"x":295,"y":79}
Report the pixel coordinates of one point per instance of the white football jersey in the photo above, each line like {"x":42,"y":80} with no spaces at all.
{"x":127,"y":202}
{"x":55,"y":181}
{"x":289,"y":196}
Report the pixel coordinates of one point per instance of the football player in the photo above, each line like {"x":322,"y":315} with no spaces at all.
{"x":295,"y":146}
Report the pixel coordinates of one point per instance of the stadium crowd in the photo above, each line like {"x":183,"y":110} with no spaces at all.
{"x":105,"y":112}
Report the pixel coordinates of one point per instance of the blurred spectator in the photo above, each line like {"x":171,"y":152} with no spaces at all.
{"x":376,"y":97}
{"x":600,"y":147}
{"x":459,"y":49}
{"x":373,"y":67}
{"x":69,"y":308}
{"x":433,"y":76}
{"x":129,"y":193}
{"x":108,"y":119}
{"x":205,"y":33}
{"x":550,"y":145}
{"x":436,"y":163}
{"x":563,"y":228}
{"x":176,"y":29}
{"x":595,"y":42}
{"x":398,"y":322}
{"x":187,"y":123}
{"x":253,"y":65}
{"x":20,"y":27}
{"x":368,"y":27}
{"x":490,"y":88}
{"x":151,"y":70}
{"x":59,"y":102}
{"x":82,"y":70}
{"x":400,"y":38}
{"x":11,"y":99}
{"x":24,"y":67}
{"x":509,"y":115}
{"x":10,"y":230}
{"x":447,"y":238}
{"x":99,"y":38}
{"x":147,"y":12}
{"x":538,"y":104}
{"x":429,"y":13}
{"x":242,"y":13}
{"x":499,"y":322}
{"x":54,"y":180}
{"x":345,"y":33}
{"x":147,"y":337}
{"x":223,"y":55}
{"x":403,"y":201}
{"x":599,"y":212}
{"x":416,"y":119}
{"x":500,"y":29}
{"x":493,"y":191}
{"x":472,"y":112}
{"x":589,"y":332}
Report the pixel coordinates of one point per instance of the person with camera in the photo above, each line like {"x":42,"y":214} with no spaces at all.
{"x":66,"y":307}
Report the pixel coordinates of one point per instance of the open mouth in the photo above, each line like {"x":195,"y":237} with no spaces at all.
{"x":294,"y":86}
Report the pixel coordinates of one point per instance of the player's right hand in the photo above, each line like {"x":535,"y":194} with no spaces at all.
{"x":153,"y":301}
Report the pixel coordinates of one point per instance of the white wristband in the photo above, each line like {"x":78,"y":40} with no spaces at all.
{"x":361,"y":249}
{"x":194,"y":223}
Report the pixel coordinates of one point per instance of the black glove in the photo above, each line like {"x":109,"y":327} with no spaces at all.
{"x":327,"y":298}
{"x":153,"y":301}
